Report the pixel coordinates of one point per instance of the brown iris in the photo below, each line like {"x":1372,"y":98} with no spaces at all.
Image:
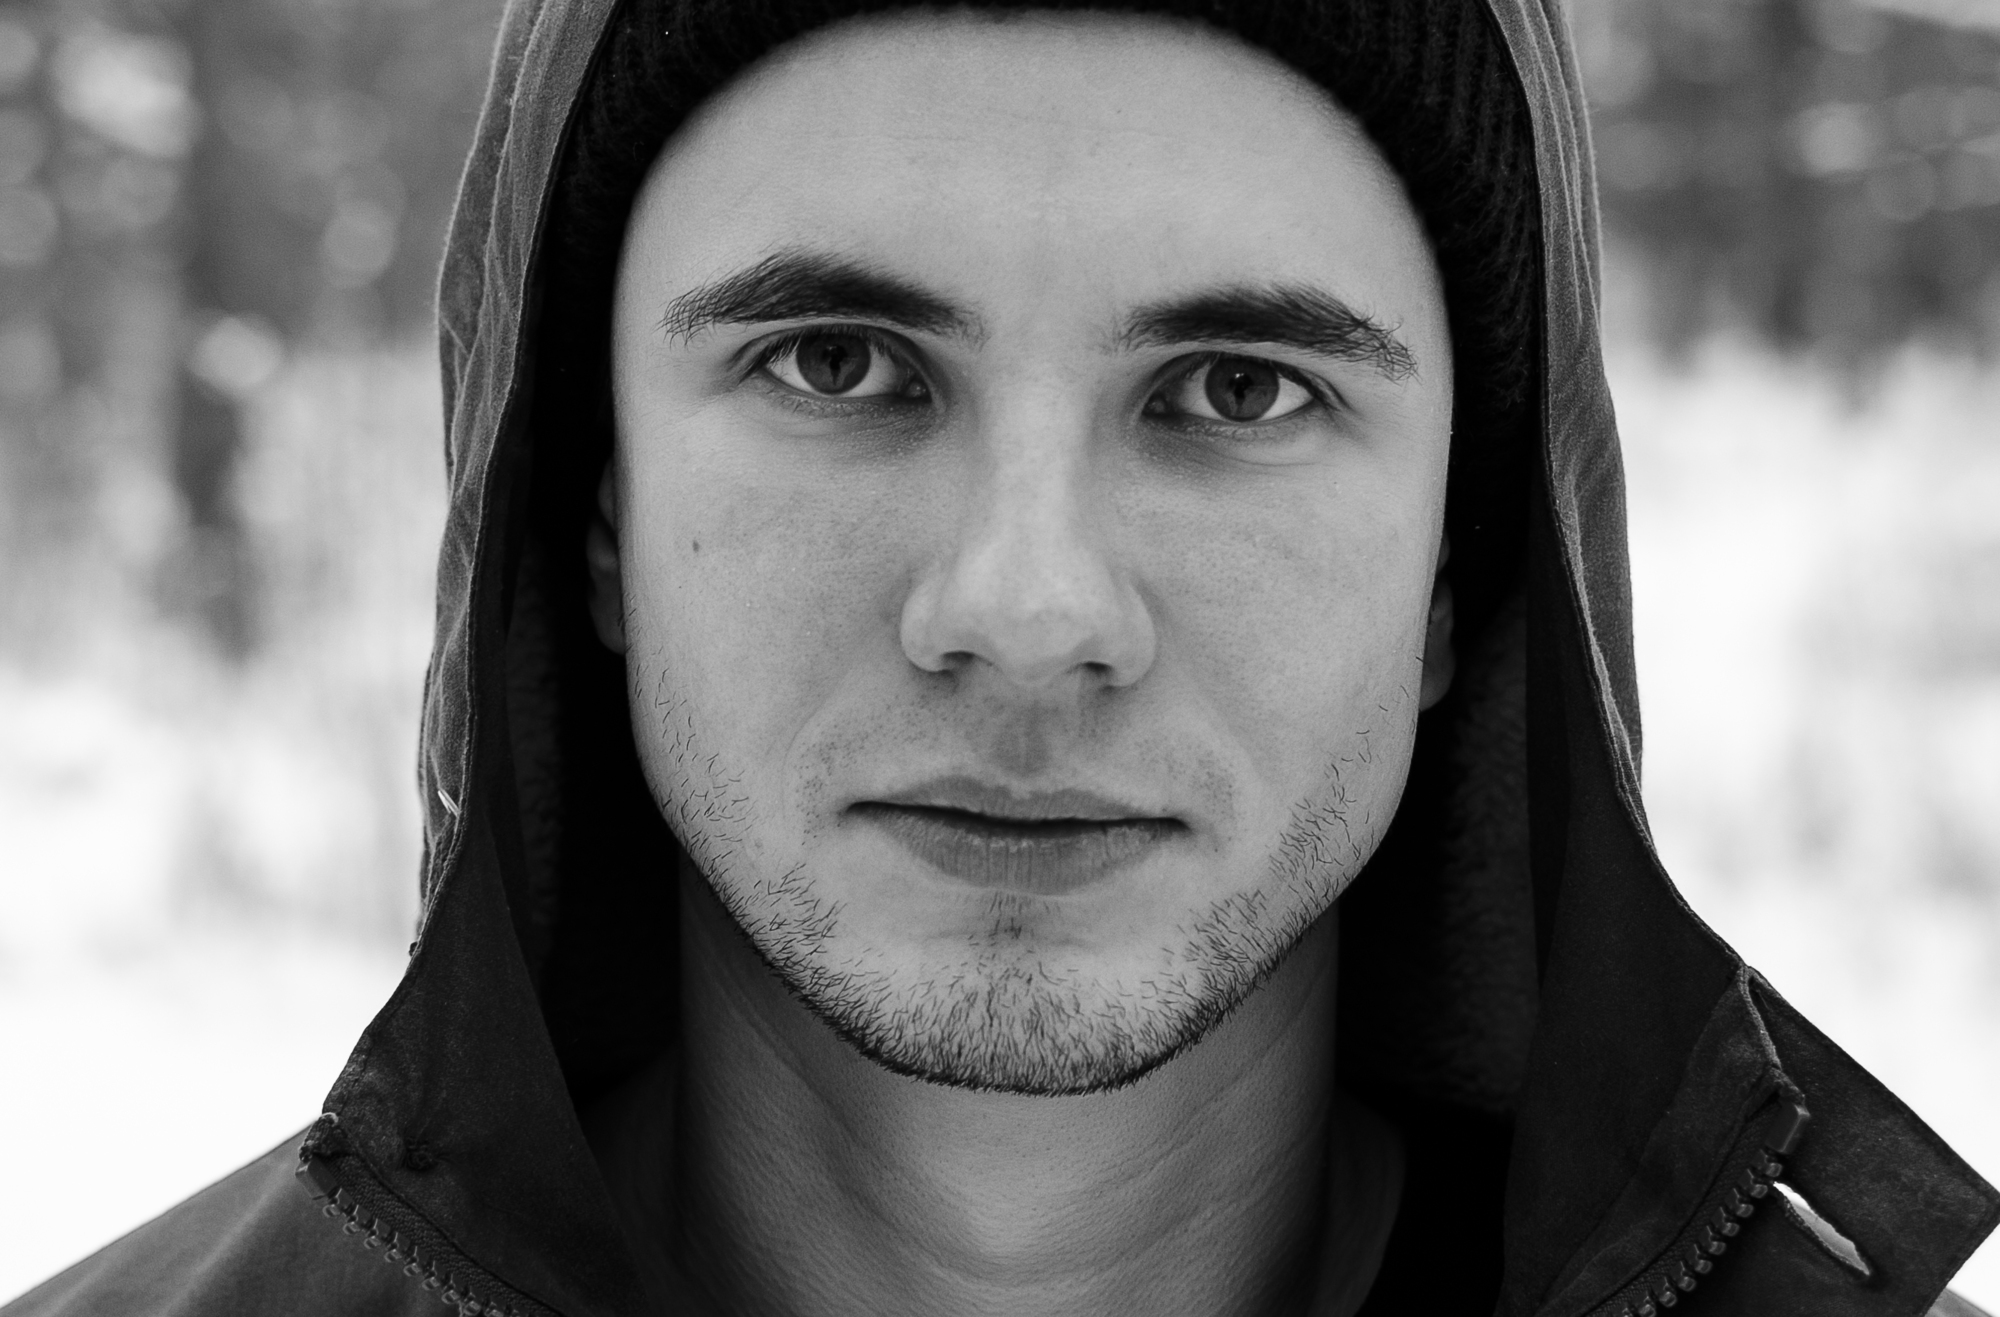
{"x":833,"y":362}
{"x":1240,"y":388}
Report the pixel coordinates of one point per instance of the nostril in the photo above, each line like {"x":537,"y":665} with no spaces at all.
{"x":1034,"y":599}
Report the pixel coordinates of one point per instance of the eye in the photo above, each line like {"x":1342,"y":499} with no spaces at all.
{"x":1235,"y":389}
{"x":841,"y":363}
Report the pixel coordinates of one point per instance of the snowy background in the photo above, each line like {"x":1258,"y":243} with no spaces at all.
{"x":220,"y":491}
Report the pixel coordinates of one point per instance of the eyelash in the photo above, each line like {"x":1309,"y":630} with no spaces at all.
{"x":774,"y":349}
{"x":1323,"y":395}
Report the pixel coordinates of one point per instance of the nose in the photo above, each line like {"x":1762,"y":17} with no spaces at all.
{"x":1027,"y":586}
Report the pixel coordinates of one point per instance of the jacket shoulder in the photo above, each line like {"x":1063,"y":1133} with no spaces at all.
{"x":251,"y":1243}
{"x":1950,"y":1305}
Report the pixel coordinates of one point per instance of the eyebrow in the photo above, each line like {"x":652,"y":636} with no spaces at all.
{"x":1293,"y":315}
{"x":801,"y":285}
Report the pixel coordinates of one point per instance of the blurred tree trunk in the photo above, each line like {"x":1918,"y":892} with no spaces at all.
{"x":94,"y":123}
{"x":189,"y":189}
{"x":1823,"y":173}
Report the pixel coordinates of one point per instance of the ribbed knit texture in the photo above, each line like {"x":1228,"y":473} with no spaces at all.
{"x":1430,"y":80}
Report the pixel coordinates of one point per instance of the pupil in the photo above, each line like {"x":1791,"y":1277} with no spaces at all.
{"x":1241,"y":389}
{"x":834,"y":363}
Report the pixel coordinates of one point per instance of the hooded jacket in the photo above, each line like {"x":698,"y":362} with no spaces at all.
{"x":1594,"y":1092}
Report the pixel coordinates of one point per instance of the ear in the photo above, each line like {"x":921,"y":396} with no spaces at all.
{"x":600,"y":552}
{"x":1440,"y":659}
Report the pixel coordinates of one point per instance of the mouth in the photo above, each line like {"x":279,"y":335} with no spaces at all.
{"x":1043,"y":844}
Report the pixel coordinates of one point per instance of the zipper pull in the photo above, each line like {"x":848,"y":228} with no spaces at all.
{"x":1787,"y":1126}
{"x":322,"y":1143}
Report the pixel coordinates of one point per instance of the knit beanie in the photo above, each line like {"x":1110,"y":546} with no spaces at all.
{"x":1431,"y":81}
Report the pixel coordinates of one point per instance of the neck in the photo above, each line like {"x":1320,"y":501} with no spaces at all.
{"x":808,"y":1179}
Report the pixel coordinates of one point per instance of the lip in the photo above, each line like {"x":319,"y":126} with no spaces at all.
{"x":1045,"y":843}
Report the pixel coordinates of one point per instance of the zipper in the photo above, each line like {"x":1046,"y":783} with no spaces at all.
{"x":349,"y":1192}
{"x":1753,"y":1165}
{"x":382,"y":1222}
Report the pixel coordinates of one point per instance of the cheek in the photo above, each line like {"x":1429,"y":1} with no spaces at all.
{"x":760,"y":585}
{"x":1296,"y":619}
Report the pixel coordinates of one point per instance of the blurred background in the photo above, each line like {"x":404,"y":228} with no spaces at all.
{"x":221,"y":488}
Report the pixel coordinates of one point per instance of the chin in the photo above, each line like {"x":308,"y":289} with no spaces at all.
{"x":1011,"y":992}
{"x":1013,"y":1027}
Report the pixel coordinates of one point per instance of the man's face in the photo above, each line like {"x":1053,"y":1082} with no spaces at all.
{"x":1029,"y":478}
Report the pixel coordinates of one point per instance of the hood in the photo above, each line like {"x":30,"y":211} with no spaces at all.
{"x":1515,"y":957}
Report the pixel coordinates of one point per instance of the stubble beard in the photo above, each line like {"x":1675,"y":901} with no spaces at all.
{"x":1000,"y":1018}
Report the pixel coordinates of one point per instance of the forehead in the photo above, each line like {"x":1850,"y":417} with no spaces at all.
{"x":1072,"y":153}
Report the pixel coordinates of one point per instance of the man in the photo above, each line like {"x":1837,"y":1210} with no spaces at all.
{"x":972,"y":532}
